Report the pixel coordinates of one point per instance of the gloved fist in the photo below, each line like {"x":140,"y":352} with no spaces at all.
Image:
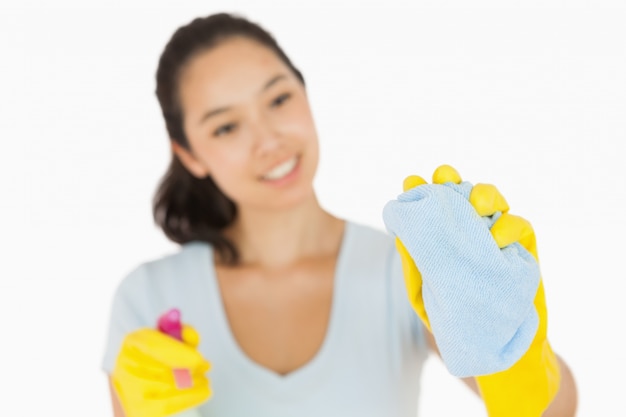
{"x":475,"y":296}
{"x":156,"y":375}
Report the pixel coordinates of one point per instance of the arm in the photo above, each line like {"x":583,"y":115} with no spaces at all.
{"x":565,"y":402}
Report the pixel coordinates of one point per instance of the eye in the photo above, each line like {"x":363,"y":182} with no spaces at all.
{"x":224,"y":129}
{"x":278,"y":101}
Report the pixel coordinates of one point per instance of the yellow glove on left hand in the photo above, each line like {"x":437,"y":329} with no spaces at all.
{"x":527,"y":388}
{"x":145,"y":373}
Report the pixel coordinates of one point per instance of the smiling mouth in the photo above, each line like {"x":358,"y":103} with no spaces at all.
{"x":282,"y":170}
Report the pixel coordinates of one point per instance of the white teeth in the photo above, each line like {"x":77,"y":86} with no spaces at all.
{"x":281,"y":170}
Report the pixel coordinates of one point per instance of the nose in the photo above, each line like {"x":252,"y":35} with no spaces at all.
{"x":266,"y":137}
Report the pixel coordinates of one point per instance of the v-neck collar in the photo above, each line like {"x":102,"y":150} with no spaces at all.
{"x":260,"y":376}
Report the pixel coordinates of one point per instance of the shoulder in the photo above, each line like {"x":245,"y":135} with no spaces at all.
{"x":158,"y":284}
{"x":371,"y":248}
{"x":369,"y":234}
{"x":369,"y":238}
{"x":165,"y":268}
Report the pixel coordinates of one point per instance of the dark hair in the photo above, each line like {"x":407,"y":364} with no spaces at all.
{"x":185,"y":207}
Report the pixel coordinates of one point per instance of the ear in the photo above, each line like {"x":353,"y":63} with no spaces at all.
{"x":189,"y":161}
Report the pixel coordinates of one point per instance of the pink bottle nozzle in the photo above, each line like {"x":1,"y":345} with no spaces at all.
{"x":170,"y":324}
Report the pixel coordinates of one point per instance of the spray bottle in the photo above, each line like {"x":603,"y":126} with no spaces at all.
{"x":170,"y":324}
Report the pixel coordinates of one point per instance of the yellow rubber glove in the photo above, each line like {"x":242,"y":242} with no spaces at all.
{"x":527,"y":388}
{"x":149,"y":370}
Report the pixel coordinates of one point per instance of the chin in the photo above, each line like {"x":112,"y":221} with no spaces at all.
{"x":289,"y":199}
{"x":293,"y":199}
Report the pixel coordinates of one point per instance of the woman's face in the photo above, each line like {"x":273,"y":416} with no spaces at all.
{"x":249,"y":125}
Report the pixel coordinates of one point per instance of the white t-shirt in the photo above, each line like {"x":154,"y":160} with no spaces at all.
{"x":369,"y":364}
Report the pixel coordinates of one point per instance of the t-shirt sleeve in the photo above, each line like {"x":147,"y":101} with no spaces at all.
{"x":127,"y":313}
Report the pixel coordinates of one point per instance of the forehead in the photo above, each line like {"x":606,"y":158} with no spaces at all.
{"x":232,"y":71}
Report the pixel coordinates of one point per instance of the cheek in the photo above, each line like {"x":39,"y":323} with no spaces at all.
{"x":227,"y":167}
{"x":302,"y":126}
{"x":296,"y":118}
{"x":227,"y":181}
{"x":223,"y":154}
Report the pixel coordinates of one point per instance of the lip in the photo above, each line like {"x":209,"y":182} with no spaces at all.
{"x":289,"y":177}
{"x":282,"y":161}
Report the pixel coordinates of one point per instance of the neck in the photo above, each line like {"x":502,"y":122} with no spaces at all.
{"x":279,"y":238}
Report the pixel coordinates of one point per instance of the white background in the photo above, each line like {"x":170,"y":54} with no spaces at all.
{"x":530,"y":96}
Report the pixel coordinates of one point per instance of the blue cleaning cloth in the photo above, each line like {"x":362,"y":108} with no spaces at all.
{"x":478,"y":297}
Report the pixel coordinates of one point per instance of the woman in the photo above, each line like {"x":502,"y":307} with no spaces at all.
{"x":299,"y":312}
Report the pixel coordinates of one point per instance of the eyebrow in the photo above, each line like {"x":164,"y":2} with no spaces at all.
{"x":219,"y":110}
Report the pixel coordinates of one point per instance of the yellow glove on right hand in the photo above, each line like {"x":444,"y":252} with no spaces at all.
{"x":144,"y":374}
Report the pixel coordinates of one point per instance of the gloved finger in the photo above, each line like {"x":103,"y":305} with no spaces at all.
{"x":136,"y":363}
{"x":487,"y":200}
{"x":165,"y":349}
{"x":158,"y":377}
{"x":412,"y":181}
{"x":444,"y":174}
{"x":190,"y":336}
{"x":413,"y":282}
{"x":510,"y":228}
